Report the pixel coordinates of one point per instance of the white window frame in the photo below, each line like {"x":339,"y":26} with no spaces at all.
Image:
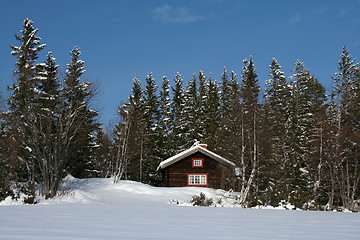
{"x":197,"y":179}
{"x":197,"y":162}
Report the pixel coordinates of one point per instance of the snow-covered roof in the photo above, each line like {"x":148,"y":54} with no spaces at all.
{"x":190,"y":151}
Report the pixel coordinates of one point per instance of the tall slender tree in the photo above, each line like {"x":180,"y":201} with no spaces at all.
{"x":177,"y":105}
{"x":212,"y":114}
{"x":25,"y":91}
{"x":151,"y":119}
{"x":277,"y":103}
{"x":225,"y":92}
{"x":189,"y":115}
{"x":249,"y":91}
{"x":165,"y":120}
{"x":137,"y":128}
{"x":78,"y":95}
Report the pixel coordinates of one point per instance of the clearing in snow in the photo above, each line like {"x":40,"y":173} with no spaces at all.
{"x":99,"y":209}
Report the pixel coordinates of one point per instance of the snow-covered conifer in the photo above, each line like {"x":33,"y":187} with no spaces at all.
{"x":177,"y":105}
{"x":151,"y":131}
{"x":165,"y":120}
{"x":77,"y":98}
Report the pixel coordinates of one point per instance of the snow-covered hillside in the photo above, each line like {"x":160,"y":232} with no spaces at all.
{"x":99,"y":209}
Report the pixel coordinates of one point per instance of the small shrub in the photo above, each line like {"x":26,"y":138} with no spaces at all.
{"x":29,"y":190}
{"x":201,"y":200}
{"x":298,"y":198}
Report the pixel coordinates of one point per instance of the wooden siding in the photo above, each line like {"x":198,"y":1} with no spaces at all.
{"x":175,"y":175}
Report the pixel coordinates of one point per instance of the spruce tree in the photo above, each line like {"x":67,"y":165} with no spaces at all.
{"x":27,"y":71}
{"x":137,"y":129}
{"x":77,"y":97}
{"x":47,"y":146}
{"x":189,"y":115}
{"x":276,"y":107}
{"x":230,"y":130}
{"x":344,"y":107}
{"x":201,"y":108}
{"x":249,"y":92}
{"x":212,"y":113}
{"x":225,"y":93}
{"x":23,"y":100}
{"x":308,"y":97}
{"x":151,"y":116}
{"x":165,"y":147}
{"x":177,"y":105}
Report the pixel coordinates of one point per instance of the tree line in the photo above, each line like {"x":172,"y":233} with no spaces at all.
{"x":291,"y":144}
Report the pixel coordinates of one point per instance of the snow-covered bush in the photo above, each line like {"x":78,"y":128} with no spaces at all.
{"x":201,"y":200}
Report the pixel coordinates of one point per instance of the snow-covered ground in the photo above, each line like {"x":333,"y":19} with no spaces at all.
{"x":99,"y":209}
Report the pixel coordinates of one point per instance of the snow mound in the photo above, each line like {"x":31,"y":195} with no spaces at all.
{"x":98,"y":209}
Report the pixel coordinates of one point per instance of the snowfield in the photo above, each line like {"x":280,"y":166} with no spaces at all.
{"x":99,"y":209}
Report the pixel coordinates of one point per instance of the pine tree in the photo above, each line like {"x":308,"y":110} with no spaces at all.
{"x":277,"y":100}
{"x":230,"y":131}
{"x":249,"y":91}
{"x":201,"y":108}
{"x":345,"y":117}
{"x":24,"y":92}
{"x":27,"y":70}
{"x":189,"y":115}
{"x":78,"y":96}
{"x":151,"y":116}
{"x":308,"y":97}
{"x":212,"y":113}
{"x":177,"y":105}
{"x":49,"y":84}
{"x":225,"y":93}
{"x":165,"y":147}
{"x":137,"y":129}
{"x":46,"y":129}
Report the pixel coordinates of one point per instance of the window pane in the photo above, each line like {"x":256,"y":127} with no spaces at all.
{"x":197,"y":163}
{"x":203,"y":180}
{"x":197,"y":179}
{"x":191,"y":179}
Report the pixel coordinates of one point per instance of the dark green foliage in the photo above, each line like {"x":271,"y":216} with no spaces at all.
{"x":177,"y":104}
{"x":136,"y":132}
{"x":29,"y":190}
{"x":102,"y":155}
{"x":48,"y":127}
{"x":189,"y":115}
{"x":212,"y":114}
{"x":201,"y":200}
{"x":151,"y":133}
{"x":77,"y":97}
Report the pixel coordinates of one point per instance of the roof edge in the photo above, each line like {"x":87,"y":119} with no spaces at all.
{"x":193,"y":150}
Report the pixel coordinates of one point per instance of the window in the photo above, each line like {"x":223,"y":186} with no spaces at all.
{"x":197,"y":179}
{"x":197,"y":162}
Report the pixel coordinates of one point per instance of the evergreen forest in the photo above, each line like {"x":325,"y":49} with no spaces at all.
{"x":292,"y":142}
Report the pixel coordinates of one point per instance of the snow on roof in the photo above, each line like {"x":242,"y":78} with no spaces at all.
{"x":190,"y":151}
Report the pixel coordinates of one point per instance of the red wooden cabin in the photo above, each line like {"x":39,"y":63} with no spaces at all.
{"x":197,"y":166}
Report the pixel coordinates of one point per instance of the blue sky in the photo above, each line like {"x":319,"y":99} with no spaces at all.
{"x":119,"y":39}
